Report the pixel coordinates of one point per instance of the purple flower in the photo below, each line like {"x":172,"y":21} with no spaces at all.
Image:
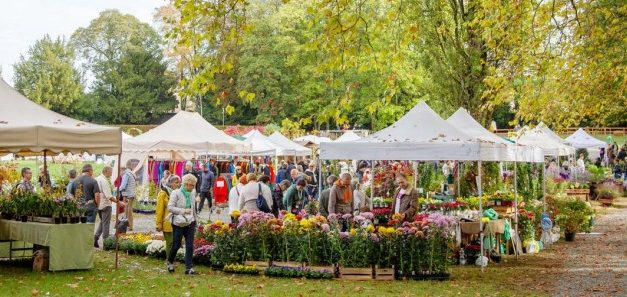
{"x":332,"y":218}
{"x":346,"y":216}
{"x":374,"y":237}
{"x":368,"y":215}
{"x":325,"y":228}
{"x":343,"y":235}
{"x":359,"y":219}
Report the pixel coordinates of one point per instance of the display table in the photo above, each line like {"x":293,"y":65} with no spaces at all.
{"x":70,"y":245}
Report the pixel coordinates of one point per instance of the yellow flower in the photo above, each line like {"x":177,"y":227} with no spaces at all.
{"x":305,"y":224}
{"x":289,"y":217}
{"x":397,"y":216}
{"x":235,"y":214}
{"x":218,"y":222}
{"x":485,"y":220}
{"x":353,"y":232}
{"x":370,"y":228}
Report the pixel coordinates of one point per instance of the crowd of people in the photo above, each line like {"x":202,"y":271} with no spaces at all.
{"x":179,"y":199}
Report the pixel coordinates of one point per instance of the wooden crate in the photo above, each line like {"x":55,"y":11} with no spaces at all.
{"x":383,"y":273}
{"x":287,"y":264}
{"x":260,"y":264}
{"x":503,"y":210}
{"x":582,"y":194}
{"x":321,"y":268}
{"x":356,"y":274}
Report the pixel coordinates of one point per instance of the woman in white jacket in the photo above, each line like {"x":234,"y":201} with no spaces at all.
{"x":183,"y":218}
{"x":250,"y":192}
{"x":235,"y":193}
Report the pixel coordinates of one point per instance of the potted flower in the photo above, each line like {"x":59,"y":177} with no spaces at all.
{"x":573,"y":217}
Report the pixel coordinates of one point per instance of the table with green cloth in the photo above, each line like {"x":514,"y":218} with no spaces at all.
{"x":70,"y":245}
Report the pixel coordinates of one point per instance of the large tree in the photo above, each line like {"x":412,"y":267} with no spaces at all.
{"x":47,"y":75}
{"x":131,"y":84}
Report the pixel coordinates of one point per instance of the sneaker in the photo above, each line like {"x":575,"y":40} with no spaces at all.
{"x":190,"y":272}
{"x":170,"y":267}
{"x":96,"y":243}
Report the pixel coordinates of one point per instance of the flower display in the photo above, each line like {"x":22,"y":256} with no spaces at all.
{"x":241,"y":269}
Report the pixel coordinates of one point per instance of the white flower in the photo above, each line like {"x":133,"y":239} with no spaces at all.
{"x":155,"y":247}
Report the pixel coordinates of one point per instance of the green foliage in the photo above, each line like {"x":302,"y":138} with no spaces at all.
{"x":574,"y":215}
{"x":130,"y":81}
{"x":48,"y":77}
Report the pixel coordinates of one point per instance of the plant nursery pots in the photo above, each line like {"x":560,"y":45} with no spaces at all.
{"x":24,"y":219}
{"x":74,"y":220}
{"x":57,"y":220}
{"x":63,"y":220}
{"x":570,"y":236}
{"x":83,"y":220}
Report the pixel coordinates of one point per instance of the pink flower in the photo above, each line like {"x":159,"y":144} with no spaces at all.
{"x":325,"y":228}
{"x":368,"y":215}
{"x":346,"y":216}
{"x":374,"y":237}
{"x":343,"y":235}
{"x":332,"y":217}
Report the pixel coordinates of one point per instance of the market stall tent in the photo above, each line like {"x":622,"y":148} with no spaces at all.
{"x":463,"y":121}
{"x":317,"y":140}
{"x":348,"y":136}
{"x":581,"y":139}
{"x":539,"y":138}
{"x":293,"y":147}
{"x":421,"y":134}
{"x":260,"y":145}
{"x":28,"y":128}
{"x":542,"y":126}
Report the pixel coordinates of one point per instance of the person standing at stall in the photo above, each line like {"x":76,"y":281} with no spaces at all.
{"x":88,"y":187}
{"x":341,"y":197}
{"x":127,"y":189}
{"x":104,"y":204}
{"x":405,"y":199}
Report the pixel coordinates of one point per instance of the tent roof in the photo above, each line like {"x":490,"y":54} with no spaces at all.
{"x":292,"y":148}
{"x":463,"y":121}
{"x":581,"y":139}
{"x":27,"y":127}
{"x":542,"y":126}
{"x":260,"y":144}
{"x":421,"y":134}
{"x":313,"y":139}
{"x":126,"y":136}
{"x":538,"y":137}
{"x":186,"y":133}
{"x":348,"y":136}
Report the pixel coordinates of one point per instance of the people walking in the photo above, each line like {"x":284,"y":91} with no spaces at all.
{"x":207,"y":178}
{"x":162,"y":213}
{"x":183,"y":217}
{"x":250,"y":192}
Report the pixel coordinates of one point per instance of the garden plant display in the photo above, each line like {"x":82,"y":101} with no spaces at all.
{"x":241,"y":269}
{"x":298,"y":272}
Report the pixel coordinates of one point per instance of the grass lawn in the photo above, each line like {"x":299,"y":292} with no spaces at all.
{"x":143,"y":276}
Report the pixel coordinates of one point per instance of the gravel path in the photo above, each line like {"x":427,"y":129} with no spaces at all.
{"x":596,"y":263}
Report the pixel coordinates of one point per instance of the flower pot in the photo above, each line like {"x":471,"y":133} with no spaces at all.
{"x":570,"y":236}
{"x":24,"y":219}
{"x":74,"y":220}
{"x":83,"y":219}
{"x":57,"y":220}
{"x":7,"y":216}
{"x":63,"y":220}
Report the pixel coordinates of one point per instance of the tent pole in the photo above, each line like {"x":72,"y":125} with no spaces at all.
{"x":117,"y":216}
{"x":516,"y":204}
{"x":543,"y":187}
{"x":371,"y":183}
{"x":480,"y":192}
{"x":459,"y":178}
{"x":46,"y":182}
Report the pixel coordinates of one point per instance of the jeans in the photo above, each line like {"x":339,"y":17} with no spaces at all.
{"x":178,"y":234}
{"x":204,"y":196}
{"x":105,"y":222}
{"x":91,"y":216}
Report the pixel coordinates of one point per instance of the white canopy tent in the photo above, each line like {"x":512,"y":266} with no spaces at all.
{"x":184,"y":136}
{"x":539,"y":138}
{"x":28,"y":128}
{"x":463,"y":121}
{"x":317,"y":140}
{"x":126,"y":136}
{"x":348,"y":136}
{"x":581,"y":139}
{"x":293,"y":148}
{"x":542,"y":126}
{"x":421,"y":134}
{"x":261,"y":145}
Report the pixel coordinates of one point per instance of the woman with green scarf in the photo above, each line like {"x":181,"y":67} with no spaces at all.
{"x":163,"y":225}
{"x":183,"y":218}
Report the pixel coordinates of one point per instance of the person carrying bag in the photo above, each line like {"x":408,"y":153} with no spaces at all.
{"x":182,"y":208}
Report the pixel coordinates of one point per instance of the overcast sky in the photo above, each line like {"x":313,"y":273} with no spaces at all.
{"x":22,"y":22}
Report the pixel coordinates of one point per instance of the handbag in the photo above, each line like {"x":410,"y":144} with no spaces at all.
{"x":183,"y":220}
{"x":262,"y":205}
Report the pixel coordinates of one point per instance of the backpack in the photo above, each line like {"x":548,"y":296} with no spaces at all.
{"x":262,"y":205}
